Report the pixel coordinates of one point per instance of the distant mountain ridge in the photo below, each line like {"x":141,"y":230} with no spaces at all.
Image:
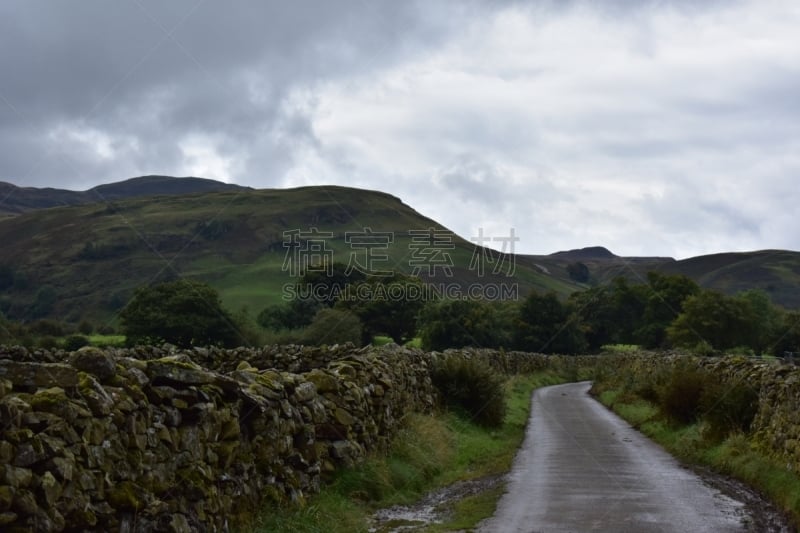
{"x":81,"y":259}
{"x":15,"y":200}
{"x":591,"y":252}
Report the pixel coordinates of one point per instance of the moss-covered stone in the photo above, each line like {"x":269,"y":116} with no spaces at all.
{"x":25,"y":374}
{"x":101,"y":364}
{"x":47,"y":400}
{"x":50,"y":489}
{"x":5,"y":387}
{"x":344,"y":417}
{"x":219,"y":434}
{"x":25,"y":503}
{"x":7,"y":518}
{"x":323,"y":381}
{"x":127,"y":496}
{"x":6,"y":497}
{"x":6,"y":452}
{"x":30,"y":453}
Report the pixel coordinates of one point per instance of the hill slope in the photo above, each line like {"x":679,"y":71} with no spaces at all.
{"x":88,"y":259}
{"x":777,"y":272}
{"x":15,"y":200}
{"x":85,"y":261}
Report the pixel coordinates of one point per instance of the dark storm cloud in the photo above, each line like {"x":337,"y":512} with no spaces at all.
{"x":665,"y":127}
{"x":156,"y":72}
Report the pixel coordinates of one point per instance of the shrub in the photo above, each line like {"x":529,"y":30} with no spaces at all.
{"x":184,"y":312}
{"x":680,"y":397}
{"x":703,"y":349}
{"x":48,"y":328}
{"x":106,"y":329}
{"x":728,"y":408}
{"x":473,"y":386}
{"x":85,"y":327}
{"x":75,"y":342}
{"x":333,"y":326}
{"x":48,"y":342}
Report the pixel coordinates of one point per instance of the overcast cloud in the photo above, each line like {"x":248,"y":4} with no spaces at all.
{"x":652,"y":128}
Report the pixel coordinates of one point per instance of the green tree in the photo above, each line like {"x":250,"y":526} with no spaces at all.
{"x":629,"y":303}
{"x":722,"y":321}
{"x":546,"y":325}
{"x":318,"y":288}
{"x":326,"y":285}
{"x":53,"y":328}
{"x":596,"y":311}
{"x":458,"y":323}
{"x":297,"y":313}
{"x":612,"y":314}
{"x":182,"y":312}
{"x":386,"y":306}
{"x":85,"y":327}
{"x":788,"y":339}
{"x":766,"y":320}
{"x":663,"y":305}
{"x":333,"y":326}
{"x":75,"y":342}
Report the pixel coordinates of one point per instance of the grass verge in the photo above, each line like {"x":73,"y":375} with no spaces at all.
{"x":736,"y":455}
{"x":115,"y":341}
{"x":431,"y":451}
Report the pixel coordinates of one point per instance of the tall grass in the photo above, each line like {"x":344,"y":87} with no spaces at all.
{"x":701,"y":442}
{"x":430,"y":451}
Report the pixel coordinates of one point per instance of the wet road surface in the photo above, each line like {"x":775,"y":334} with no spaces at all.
{"x":582,"y":468}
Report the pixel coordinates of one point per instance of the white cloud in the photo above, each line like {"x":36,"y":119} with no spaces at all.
{"x":646,"y":133}
{"x":203,"y":157}
{"x":662,"y":128}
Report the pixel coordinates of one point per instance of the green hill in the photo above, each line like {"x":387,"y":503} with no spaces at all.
{"x":85,"y":261}
{"x":777,"y":272}
{"x":15,"y":200}
{"x":88,"y":259}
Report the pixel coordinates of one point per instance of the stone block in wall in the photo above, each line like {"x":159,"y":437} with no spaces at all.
{"x":36,"y":375}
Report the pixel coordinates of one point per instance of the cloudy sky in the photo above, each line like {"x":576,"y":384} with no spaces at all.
{"x":650,"y":127}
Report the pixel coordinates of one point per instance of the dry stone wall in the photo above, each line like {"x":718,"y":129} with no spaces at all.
{"x":159,"y":439}
{"x":776,"y":427}
{"x":150,"y":440}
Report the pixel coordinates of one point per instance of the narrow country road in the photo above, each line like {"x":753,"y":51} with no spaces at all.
{"x":582,"y":468}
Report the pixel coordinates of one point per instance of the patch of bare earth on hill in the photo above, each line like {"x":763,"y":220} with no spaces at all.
{"x":434,"y":508}
{"x":762,"y":516}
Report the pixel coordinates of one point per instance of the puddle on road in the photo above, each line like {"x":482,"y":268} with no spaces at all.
{"x":434,"y":508}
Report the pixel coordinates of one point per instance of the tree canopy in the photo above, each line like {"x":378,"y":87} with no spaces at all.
{"x":386,"y":305}
{"x":547,"y":325}
{"x":459,"y":323}
{"x":183,"y":312}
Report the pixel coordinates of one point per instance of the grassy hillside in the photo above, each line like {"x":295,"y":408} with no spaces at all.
{"x":15,"y":200}
{"x":775,"y":271}
{"x":85,"y":261}
{"x":92,"y":257}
